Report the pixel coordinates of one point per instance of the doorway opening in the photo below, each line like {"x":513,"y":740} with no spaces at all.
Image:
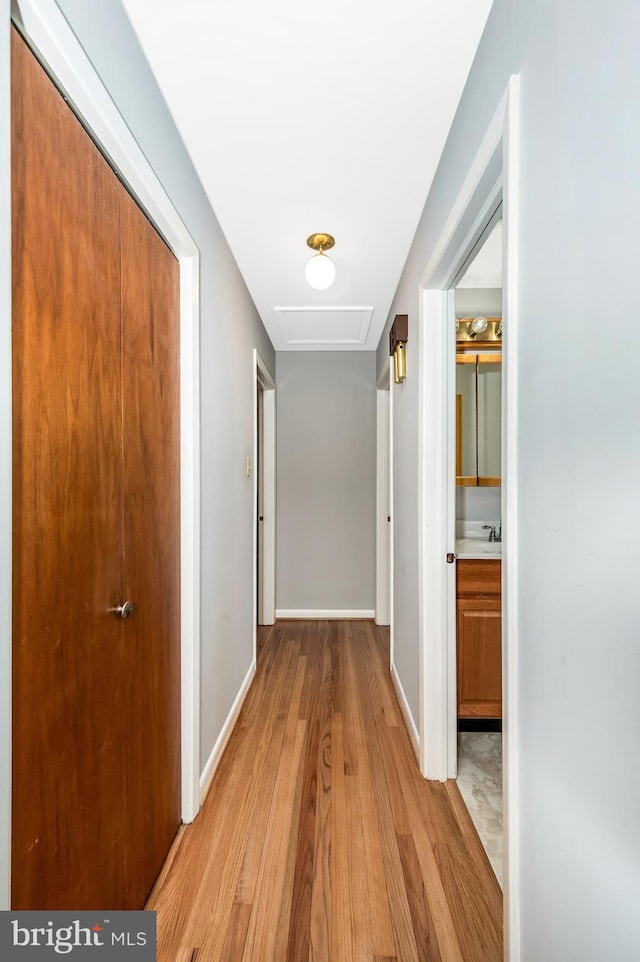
{"x":493,"y":176}
{"x":264,"y":496}
{"x":475,"y":622}
{"x":384,"y":518}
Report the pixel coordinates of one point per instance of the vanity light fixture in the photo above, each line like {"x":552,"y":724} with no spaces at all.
{"x":477,"y":331}
{"x":478,"y":326}
{"x":398,"y":337}
{"x":320,"y":271}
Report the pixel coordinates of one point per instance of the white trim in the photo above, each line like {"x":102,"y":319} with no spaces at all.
{"x":461,"y":232}
{"x":477,"y":200}
{"x":383,"y":507}
{"x":288,"y":341}
{"x":392,"y":602}
{"x":325,"y":614}
{"x":190,"y":532}
{"x":406,"y":711}
{"x":510,"y":596}
{"x":264,"y":380}
{"x":432,"y":532}
{"x":450,"y":625}
{"x":213,"y":761}
{"x":49,"y":34}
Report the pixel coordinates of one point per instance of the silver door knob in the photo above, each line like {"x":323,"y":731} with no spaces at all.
{"x":125,"y":610}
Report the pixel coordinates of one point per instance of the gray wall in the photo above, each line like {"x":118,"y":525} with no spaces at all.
{"x":479,"y":504}
{"x":228,"y":318}
{"x":578,"y":458}
{"x":326,"y":480}
{"x":478,"y":300}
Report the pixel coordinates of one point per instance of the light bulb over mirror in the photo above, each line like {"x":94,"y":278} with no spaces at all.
{"x":478,"y":326}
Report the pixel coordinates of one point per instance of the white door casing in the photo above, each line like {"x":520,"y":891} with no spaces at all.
{"x":493,"y":175}
{"x":383,"y":502}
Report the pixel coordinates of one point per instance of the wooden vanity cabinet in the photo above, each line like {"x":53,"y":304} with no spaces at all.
{"x":479,"y":638}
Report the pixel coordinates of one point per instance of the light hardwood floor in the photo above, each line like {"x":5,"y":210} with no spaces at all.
{"x":319,"y":839}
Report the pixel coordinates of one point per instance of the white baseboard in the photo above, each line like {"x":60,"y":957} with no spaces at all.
{"x":221,"y":742}
{"x":406,"y":711}
{"x":324,"y":614}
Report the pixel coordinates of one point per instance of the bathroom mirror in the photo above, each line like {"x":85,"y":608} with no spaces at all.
{"x":466,"y":434}
{"x":478,"y":419}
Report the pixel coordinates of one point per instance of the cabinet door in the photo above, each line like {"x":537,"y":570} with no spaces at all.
{"x":479,"y":655}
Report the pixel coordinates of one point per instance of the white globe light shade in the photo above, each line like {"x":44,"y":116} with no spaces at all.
{"x":320,"y":272}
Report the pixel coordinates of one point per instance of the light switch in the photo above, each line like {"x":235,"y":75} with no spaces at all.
{"x":248,"y":466}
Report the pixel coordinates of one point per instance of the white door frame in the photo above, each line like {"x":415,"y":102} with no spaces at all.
{"x":264,"y":381}
{"x":494,"y":173}
{"x":48,"y":33}
{"x":384,"y":580}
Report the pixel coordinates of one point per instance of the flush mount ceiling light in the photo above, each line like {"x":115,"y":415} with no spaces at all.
{"x":320,"y":271}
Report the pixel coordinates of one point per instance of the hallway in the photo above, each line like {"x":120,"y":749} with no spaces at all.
{"x":319,"y":839}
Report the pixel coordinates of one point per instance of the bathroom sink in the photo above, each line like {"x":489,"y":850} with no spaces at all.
{"x":490,"y":547}
{"x":475,"y":547}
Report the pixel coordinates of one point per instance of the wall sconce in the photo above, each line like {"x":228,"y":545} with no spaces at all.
{"x":398,"y":337}
{"x":320,"y":271}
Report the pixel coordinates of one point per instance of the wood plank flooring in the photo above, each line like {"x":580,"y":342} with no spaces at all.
{"x":319,"y":839}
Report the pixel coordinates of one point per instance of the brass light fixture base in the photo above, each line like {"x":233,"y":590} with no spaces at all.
{"x":466,"y":338}
{"x":320,"y":242}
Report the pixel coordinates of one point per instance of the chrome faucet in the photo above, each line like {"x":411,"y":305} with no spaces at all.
{"x":495,"y":532}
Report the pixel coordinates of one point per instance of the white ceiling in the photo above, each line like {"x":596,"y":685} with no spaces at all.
{"x":303,"y":117}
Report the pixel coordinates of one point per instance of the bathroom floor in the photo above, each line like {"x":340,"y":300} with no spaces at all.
{"x":480,"y":784}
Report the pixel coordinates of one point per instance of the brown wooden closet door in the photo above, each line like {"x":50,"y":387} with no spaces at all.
{"x":96,"y":743}
{"x":151,"y":377}
{"x":68,"y":808}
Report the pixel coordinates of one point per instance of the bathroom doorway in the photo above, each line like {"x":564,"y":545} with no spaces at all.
{"x":475,"y":618}
{"x":492,"y":178}
{"x":264,"y":495}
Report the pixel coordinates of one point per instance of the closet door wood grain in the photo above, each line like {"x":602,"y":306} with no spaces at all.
{"x":96,"y":698}
{"x":151,"y":454}
{"x":68,"y":717}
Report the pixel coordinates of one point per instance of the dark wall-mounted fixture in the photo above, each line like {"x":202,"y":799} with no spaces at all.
{"x":398,"y":337}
